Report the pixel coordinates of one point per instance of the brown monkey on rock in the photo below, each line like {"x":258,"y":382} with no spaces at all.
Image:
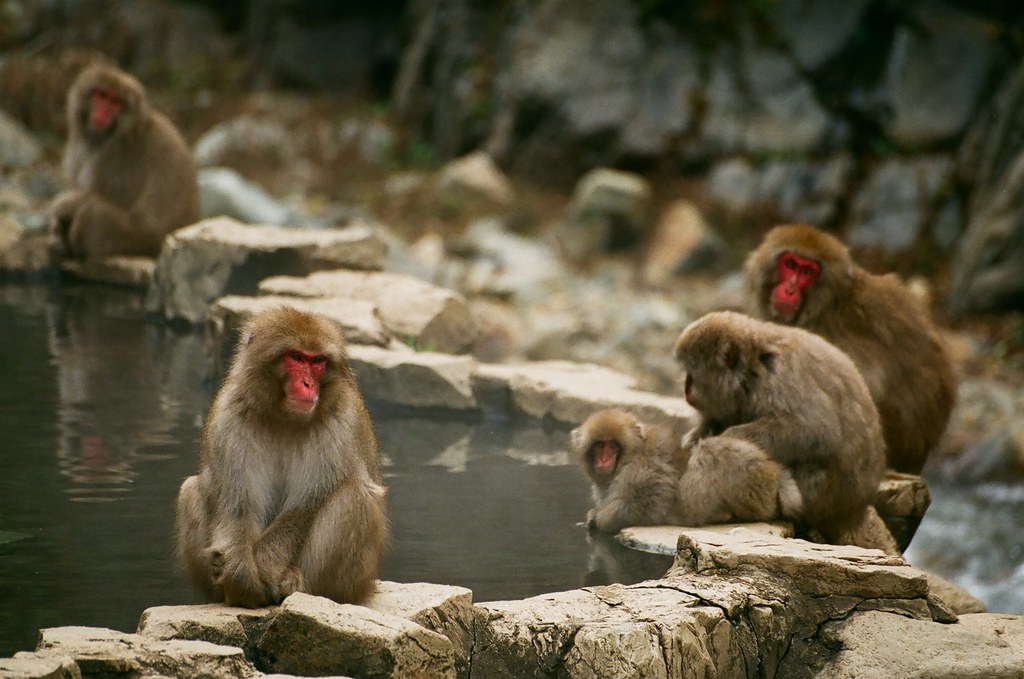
{"x":132,"y":177}
{"x":643,"y":475}
{"x":804,"y":277}
{"x":803,"y":402}
{"x":289,"y":495}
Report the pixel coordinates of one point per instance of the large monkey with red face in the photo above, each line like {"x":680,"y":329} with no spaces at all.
{"x":802,"y":276}
{"x":289,"y":495}
{"x":132,"y":175}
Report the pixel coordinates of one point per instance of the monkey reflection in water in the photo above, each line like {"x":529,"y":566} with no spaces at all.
{"x":289,"y":495}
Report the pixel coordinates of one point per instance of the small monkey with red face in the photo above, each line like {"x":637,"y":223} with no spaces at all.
{"x":132,"y":176}
{"x":289,"y":495}
{"x":643,"y":475}
{"x":804,"y":277}
{"x":800,"y":400}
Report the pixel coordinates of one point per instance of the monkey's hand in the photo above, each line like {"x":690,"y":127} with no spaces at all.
{"x":290,"y":580}
{"x":239,"y":579}
{"x":62,"y":213}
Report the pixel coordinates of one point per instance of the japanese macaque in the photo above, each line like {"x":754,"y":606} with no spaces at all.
{"x":132,"y":177}
{"x":289,"y":495}
{"x":643,"y":475}
{"x":802,"y":401}
{"x":802,"y":276}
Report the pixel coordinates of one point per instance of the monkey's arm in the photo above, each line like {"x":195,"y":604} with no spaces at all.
{"x":642,"y":494}
{"x":788,"y":442}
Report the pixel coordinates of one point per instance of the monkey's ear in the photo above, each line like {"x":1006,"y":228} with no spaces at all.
{"x":729,"y":354}
{"x":641,"y":430}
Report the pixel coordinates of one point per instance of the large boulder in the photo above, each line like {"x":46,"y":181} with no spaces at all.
{"x":609,"y":209}
{"x":222,"y":256}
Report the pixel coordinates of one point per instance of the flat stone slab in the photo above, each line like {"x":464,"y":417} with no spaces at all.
{"x":39,"y":666}
{"x":222,"y":256}
{"x":665,"y":539}
{"x":819,"y":570}
{"x":425,"y":315}
{"x":418,"y":379}
{"x":215,"y":623}
{"x":105,"y":652}
{"x":570,"y":392}
{"x":356,"y":320}
{"x":136,"y":272}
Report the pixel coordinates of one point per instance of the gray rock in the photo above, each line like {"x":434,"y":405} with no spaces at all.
{"x":427,"y":316}
{"x":475,"y":181}
{"x":571,"y":392}
{"x":665,"y":539}
{"x":225,"y":193}
{"x":417,"y":379}
{"x":901,"y":501}
{"x":936,"y":73}
{"x":39,"y":666}
{"x":244,"y":137}
{"x":758,"y":102}
{"x":313,"y":636}
{"x":874,"y":645}
{"x":22,"y":250}
{"x":105,"y":652}
{"x":816,"y":30}
{"x":440,"y":608}
{"x":221,"y":256}
{"x":801,"y":191}
{"x":135,"y":272}
{"x":609,"y":208}
{"x":890,"y":210}
{"x":18,"y":148}
{"x":987,"y":275}
{"x":818,"y":570}
{"x":507,"y":264}
{"x":215,"y":623}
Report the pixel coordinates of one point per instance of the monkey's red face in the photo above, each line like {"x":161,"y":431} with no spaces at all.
{"x":105,"y":105}
{"x":604,"y":456}
{"x":303,"y":387}
{"x":795,"y":275}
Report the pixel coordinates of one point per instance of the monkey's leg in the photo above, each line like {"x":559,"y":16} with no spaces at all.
{"x":341,"y":557}
{"x":870,"y":532}
{"x":193,"y":541}
{"x":101,"y":228}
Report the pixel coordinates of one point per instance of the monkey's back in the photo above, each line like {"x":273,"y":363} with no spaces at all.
{"x":905,"y":364}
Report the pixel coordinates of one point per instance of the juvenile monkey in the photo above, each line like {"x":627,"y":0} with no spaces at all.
{"x":289,"y":495}
{"x":799,"y":399}
{"x":643,"y":475}
{"x":132,"y":177}
{"x":804,"y":277}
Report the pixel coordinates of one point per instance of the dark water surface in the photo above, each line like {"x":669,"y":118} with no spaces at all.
{"x":99,"y":420}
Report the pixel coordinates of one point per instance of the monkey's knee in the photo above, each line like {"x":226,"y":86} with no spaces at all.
{"x":193,"y":533}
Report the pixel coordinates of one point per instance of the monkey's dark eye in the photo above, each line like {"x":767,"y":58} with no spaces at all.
{"x":319,"y":359}
{"x":296,"y":356}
